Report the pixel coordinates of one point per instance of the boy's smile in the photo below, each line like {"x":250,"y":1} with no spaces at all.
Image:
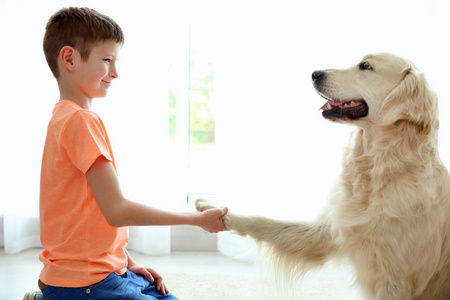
{"x":106,"y":82}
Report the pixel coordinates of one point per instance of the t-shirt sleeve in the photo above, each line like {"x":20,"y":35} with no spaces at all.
{"x":84,"y":139}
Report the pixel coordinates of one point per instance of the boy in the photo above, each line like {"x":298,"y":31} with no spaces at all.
{"x":83,"y":214}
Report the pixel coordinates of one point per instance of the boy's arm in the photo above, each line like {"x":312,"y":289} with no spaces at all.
{"x":119,"y":211}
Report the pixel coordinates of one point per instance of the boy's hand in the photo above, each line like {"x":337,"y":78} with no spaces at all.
{"x":151,"y":275}
{"x":211,"y":219}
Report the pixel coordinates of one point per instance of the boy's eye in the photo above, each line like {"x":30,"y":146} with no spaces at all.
{"x":107,"y":59}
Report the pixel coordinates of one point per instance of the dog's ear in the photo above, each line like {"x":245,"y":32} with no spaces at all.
{"x":412,"y":100}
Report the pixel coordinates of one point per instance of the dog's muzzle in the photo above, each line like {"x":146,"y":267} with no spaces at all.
{"x":338,"y":108}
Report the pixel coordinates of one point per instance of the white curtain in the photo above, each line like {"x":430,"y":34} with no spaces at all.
{"x":27,"y":93}
{"x":276,"y":156}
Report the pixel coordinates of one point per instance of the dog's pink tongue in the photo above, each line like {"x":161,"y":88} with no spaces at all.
{"x":331,"y":103}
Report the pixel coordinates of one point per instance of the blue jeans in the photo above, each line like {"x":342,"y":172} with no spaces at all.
{"x":126,"y":286}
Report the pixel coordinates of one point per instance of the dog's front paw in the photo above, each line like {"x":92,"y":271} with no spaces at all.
{"x":203,"y":204}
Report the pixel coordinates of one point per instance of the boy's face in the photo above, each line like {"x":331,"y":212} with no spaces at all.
{"x":95,"y":75}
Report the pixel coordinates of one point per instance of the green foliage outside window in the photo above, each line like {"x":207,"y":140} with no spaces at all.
{"x":202,"y":121}
{"x":201,"y":114}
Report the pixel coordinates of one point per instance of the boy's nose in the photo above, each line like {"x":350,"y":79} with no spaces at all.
{"x":113,"y":73}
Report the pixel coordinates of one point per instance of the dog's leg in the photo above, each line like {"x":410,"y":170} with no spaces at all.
{"x":292,"y":244}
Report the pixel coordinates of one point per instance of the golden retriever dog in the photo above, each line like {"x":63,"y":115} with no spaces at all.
{"x":389,"y":214}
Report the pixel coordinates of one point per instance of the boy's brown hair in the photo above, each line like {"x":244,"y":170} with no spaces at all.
{"x":81,"y":28}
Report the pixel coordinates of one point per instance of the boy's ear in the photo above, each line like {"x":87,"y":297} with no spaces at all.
{"x":66,"y":57}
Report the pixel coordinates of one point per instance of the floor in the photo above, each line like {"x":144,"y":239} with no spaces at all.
{"x":20,"y":272}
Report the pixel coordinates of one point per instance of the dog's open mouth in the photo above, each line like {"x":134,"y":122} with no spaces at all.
{"x":354,"y":109}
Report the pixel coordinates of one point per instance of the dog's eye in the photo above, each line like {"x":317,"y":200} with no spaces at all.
{"x":365,"y":66}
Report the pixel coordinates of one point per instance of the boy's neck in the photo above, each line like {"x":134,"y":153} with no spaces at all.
{"x":83,"y":104}
{"x":77,"y":97}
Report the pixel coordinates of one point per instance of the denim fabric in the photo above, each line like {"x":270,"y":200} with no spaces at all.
{"x":126,"y":286}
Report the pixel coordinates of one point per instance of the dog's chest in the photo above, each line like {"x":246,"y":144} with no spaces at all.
{"x":357,"y":185}
{"x":351,"y":206}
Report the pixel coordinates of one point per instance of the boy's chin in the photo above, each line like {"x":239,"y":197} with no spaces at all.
{"x":100,"y":95}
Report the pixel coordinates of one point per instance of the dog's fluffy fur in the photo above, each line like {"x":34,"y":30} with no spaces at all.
{"x":390,"y":211}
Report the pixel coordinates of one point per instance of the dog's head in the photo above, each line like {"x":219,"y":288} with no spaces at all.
{"x":381,"y":89}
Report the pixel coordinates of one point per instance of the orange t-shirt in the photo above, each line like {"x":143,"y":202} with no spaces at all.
{"x":81,"y":248}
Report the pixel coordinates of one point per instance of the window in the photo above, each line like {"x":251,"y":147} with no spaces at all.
{"x":191,"y":111}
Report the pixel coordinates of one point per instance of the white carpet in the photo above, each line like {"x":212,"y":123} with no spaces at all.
{"x":256,"y":287}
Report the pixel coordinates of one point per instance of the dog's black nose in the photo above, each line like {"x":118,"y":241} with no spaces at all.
{"x":316,"y":75}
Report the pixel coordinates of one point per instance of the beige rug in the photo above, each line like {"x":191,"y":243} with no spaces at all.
{"x":255,"y":287}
